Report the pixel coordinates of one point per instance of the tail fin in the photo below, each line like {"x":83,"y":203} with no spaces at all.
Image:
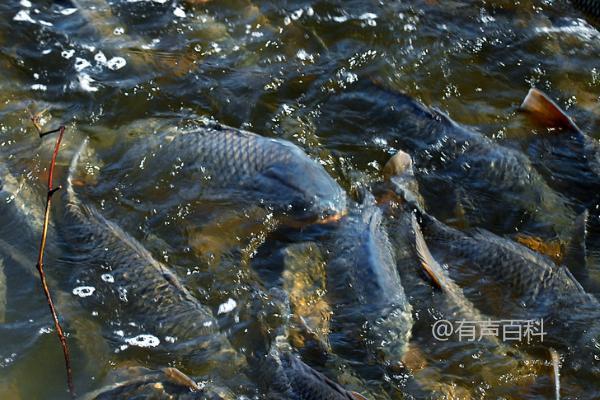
{"x":546,"y":111}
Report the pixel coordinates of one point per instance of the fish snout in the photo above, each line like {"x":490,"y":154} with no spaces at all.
{"x":399,"y":164}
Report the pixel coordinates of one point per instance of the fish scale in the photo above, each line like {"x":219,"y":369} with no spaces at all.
{"x":364,"y":287}
{"x":223,"y":163}
{"x":497,"y":186}
{"x":144,"y":290}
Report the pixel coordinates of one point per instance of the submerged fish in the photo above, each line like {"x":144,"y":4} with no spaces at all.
{"x":371,"y":316}
{"x":569,"y":157}
{"x":532,"y":288}
{"x":277,"y":370}
{"x":227,"y":164}
{"x":117,"y":277}
{"x":488,"y":361}
{"x":492,"y":185}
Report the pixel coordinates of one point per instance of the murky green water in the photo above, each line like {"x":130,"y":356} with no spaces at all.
{"x":116,"y":71}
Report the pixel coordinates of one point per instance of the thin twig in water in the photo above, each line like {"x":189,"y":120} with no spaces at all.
{"x":40,"y":261}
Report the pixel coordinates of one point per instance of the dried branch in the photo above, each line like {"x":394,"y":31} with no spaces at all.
{"x":40,"y":260}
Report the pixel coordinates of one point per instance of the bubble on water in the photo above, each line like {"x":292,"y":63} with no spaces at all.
{"x":68,"y":11}
{"x":122,"y":294}
{"x":108,"y":278}
{"x":119,"y":30}
{"x":85,"y":82}
{"x":297,"y":14}
{"x":304,"y":56}
{"x":226,"y":307}
{"x":120,"y":333}
{"x":25,"y":3}
{"x":100,"y":58}
{"x":179,"y":12}
{"x":67,"y":53}
{"x":207,"y":324}
{"x":45,"y":330}
{"x":143,"y":340}
{"x":84,"y":291}
{"x":116,"y":63}
{"x":39,"y":86}
{"x":170,"y":339}
{"x":81,"y":64}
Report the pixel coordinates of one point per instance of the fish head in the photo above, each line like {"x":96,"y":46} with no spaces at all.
{"x":400,"y":186}
{"x":304,"y":190}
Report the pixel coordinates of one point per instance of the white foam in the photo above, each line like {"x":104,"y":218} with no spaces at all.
{"x":179,"y":12}
{"x":84,"y":291}
{"x":81,"y":64}
{"x":85,"y":82}
{"x":143,"y":340}
{"x":39,"y":86}
{"x":68,"y":11}
{"x":116,"y":63}
{"x":23,"y":15}
{"x":226,"y":307}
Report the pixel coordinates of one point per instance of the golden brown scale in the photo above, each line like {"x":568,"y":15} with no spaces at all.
{"x":551,"y":248}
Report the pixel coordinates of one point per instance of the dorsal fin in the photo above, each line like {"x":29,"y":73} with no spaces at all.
{"x":429,"y":264}
{"x":546,"y":111}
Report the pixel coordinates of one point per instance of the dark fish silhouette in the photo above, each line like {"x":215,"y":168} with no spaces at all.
{"x":494,"y":186}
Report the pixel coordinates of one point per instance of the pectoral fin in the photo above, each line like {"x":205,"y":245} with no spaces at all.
{"x":358,"y":396}
{"x":546,"y":111}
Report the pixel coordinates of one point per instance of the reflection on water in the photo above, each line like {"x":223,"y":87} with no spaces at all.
{"x":122,"y":72}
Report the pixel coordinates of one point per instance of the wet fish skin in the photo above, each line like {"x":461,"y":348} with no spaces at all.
{"x":591,"y":7}
{"x":273,"y":364}
{"x":363,"y":285}
{"x":287,"y":377}
{"x":224,"y":163}
{"x":139,"y":382}
{"x":144,"y":289}
{"x":542,"y":289}
{"x":497,"y":186}
{"x":571,"y":157}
